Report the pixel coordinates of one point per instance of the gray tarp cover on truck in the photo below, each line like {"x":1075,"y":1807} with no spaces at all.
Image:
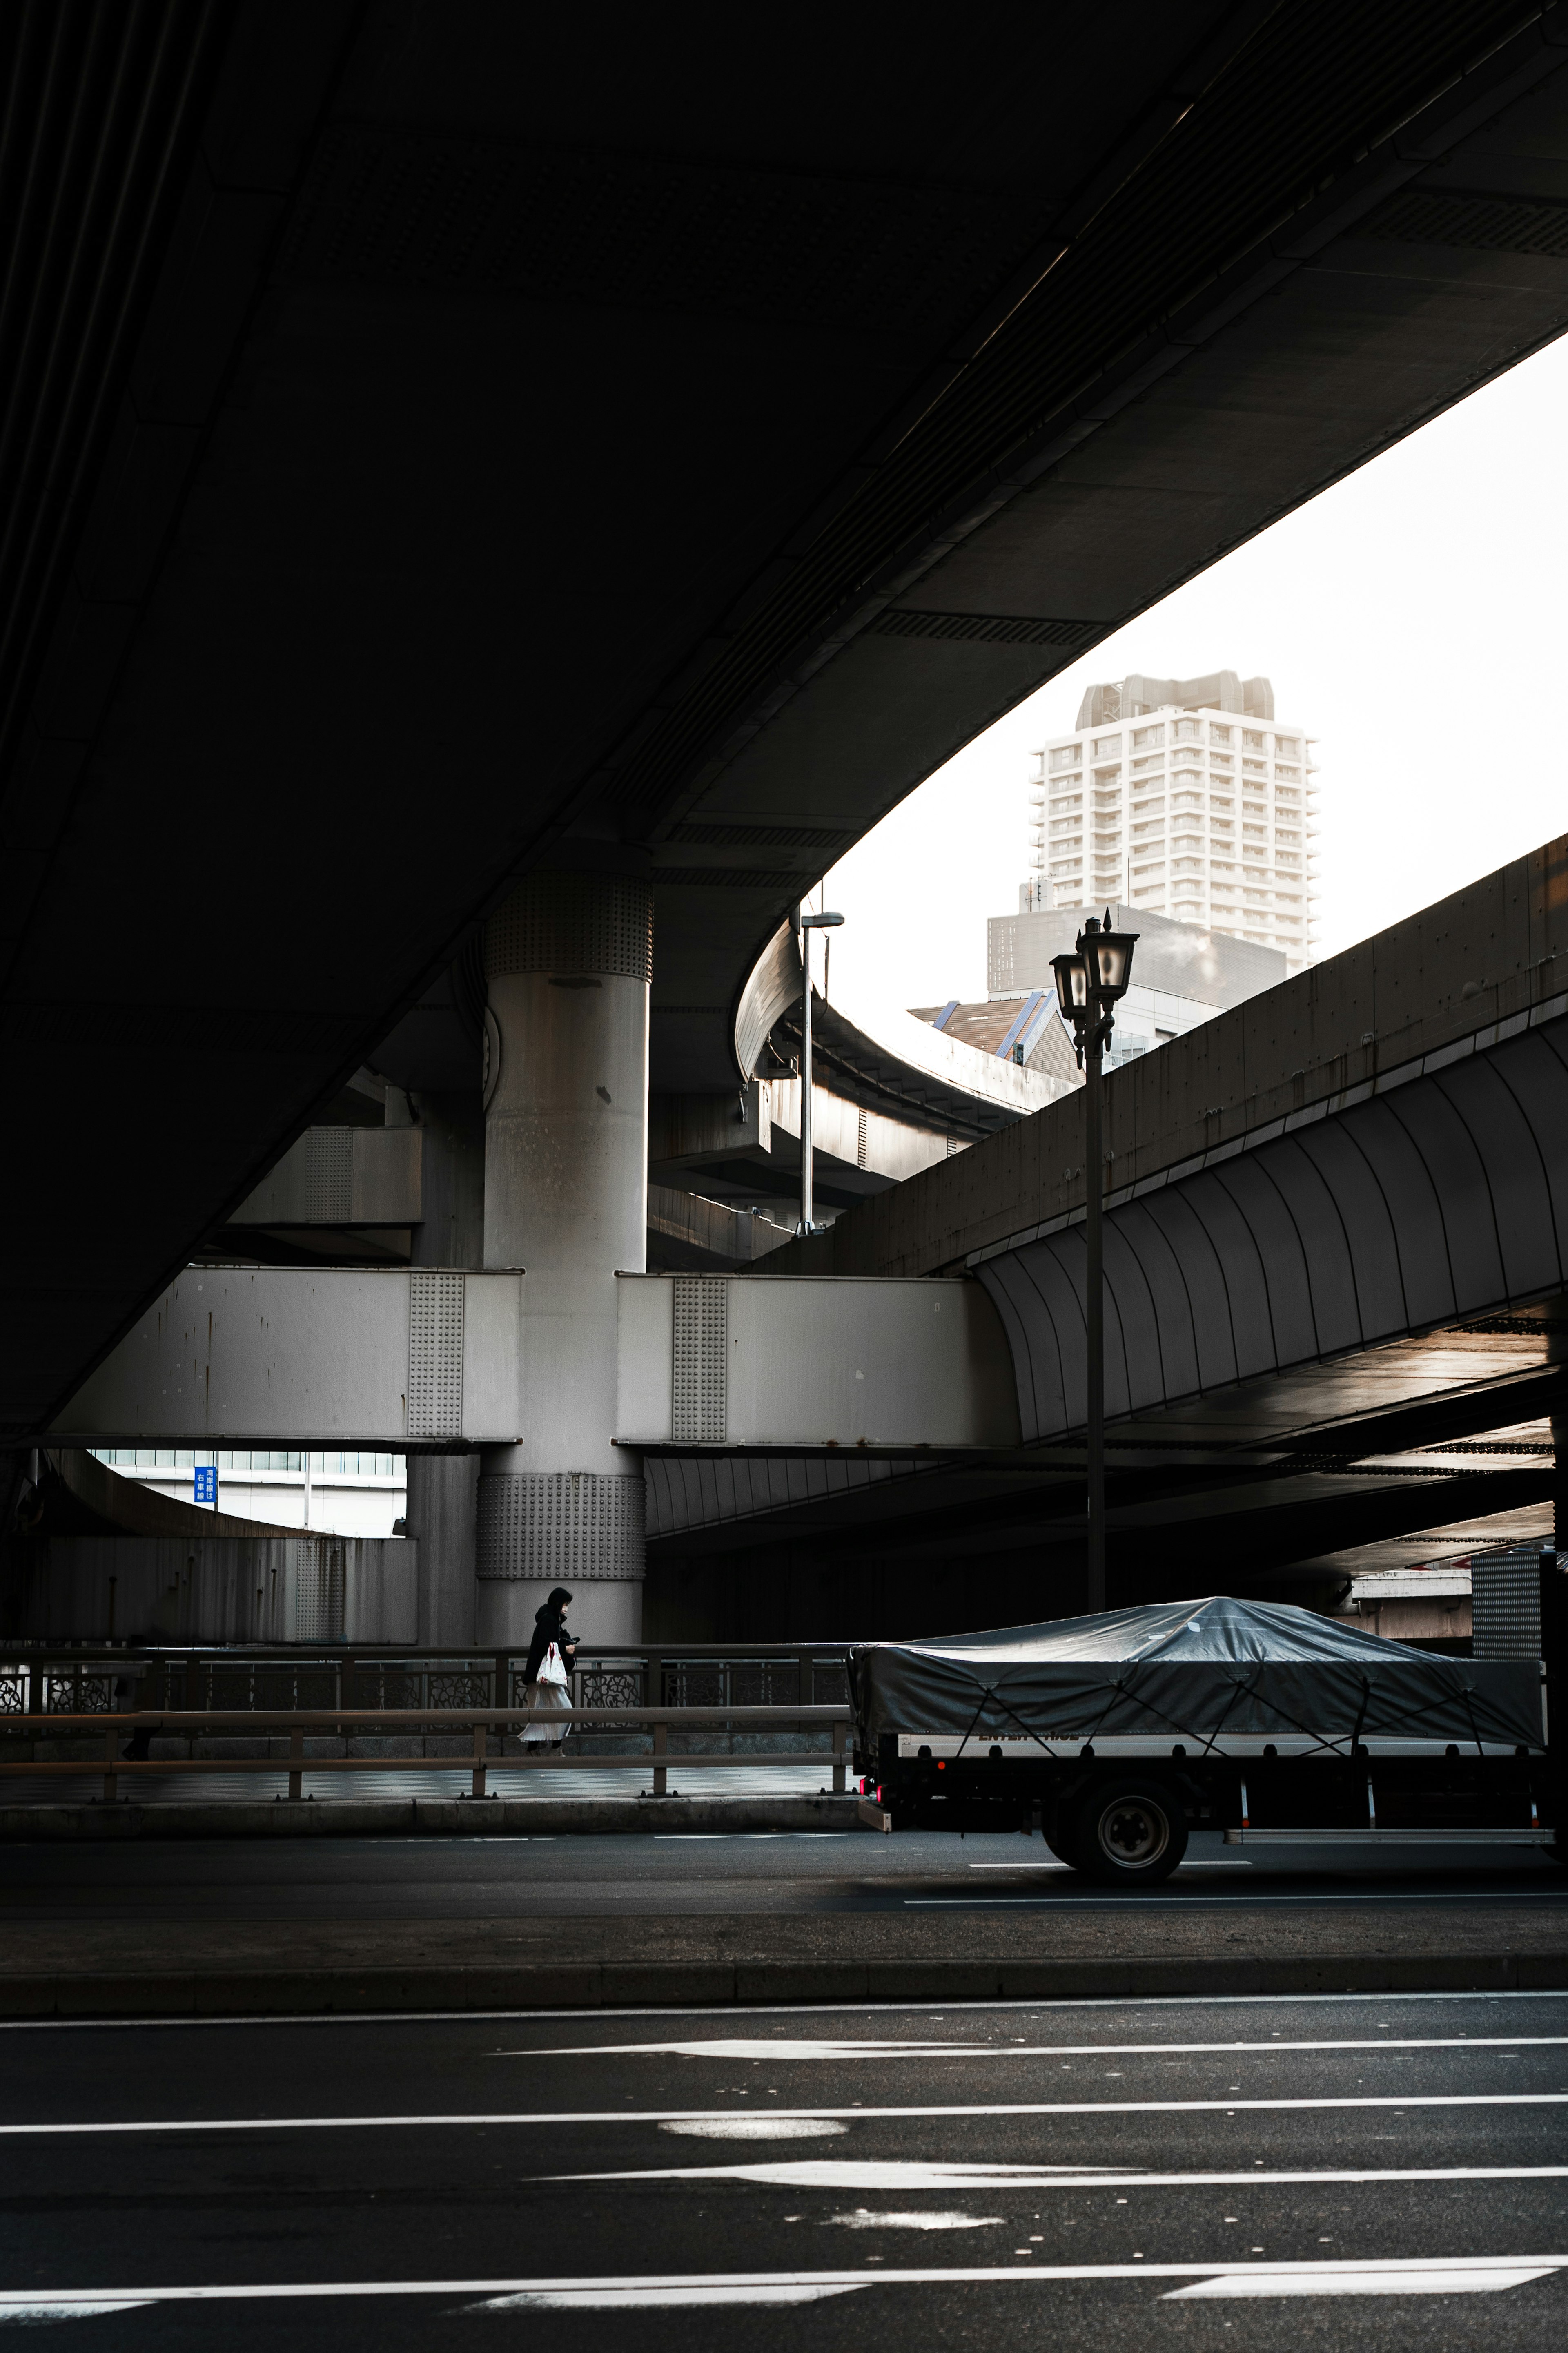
{"x":1181,"y":1670}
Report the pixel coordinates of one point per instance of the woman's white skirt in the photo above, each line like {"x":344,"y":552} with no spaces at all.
{"x":552,"y":1699}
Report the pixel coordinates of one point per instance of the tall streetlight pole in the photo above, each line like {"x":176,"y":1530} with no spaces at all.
{"x":808,"y":923}
{"x":1089,"y":982}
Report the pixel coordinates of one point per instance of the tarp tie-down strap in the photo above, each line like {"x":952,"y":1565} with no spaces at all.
{"x":1469,"y":1711}
{"x":1007,"y":1709}
{"x":1250,"y":1689}
{"x":1399,"y":1717}
{"x":1118,"y":1690}
{"x":972,"y":1722}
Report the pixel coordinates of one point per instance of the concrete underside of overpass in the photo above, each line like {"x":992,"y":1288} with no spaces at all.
{"x":1337,"y":1306}
{"x":1337,"y":1289}
{"x":773,"y":1545}
{"x":484,"y":443}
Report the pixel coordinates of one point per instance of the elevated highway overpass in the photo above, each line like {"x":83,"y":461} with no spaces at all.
{"x":1336,"y":1297}
{"x":441,"y":443}
{"x":498,"y":509}
{"x":1336,"y":1260}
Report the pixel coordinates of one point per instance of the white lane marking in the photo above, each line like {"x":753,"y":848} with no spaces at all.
{"x":1194,"y":1863}
{"x":863,"y":2219}
{"x":1467,"y":2280}
{"x":1232,"y":2107}
{"x":32,"y":2316}
{"x":913,"y":2174}
{"x":760,"y":2047}
{"x":608,"y":2298}
{"x":768,"y":2126}
{"x":704,"y":1838}
{"x":926,"y":2275}
{"x":1052,"y":1865}
{"x":872,"y":2047}
{"x":1122,"y":1896}
{"x":876,"y":2009}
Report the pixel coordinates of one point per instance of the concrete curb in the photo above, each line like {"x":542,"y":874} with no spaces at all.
{"x":591,"y":1985}
{"x":241,"y":1818}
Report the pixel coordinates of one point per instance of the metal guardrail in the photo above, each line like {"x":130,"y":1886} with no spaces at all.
{"x":338,"y":1723}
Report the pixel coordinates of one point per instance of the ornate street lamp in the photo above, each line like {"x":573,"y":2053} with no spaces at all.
{"x":1091,"y":981}
{"x":808,"y":923}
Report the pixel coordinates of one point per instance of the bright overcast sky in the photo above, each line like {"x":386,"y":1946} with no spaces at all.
{"x":1411,"y":620}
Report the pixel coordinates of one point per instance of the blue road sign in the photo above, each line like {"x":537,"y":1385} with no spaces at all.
{"x":206,"y":1482}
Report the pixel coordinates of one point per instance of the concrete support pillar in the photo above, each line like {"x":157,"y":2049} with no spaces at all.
{"x":443,"y":1489}
{"x":452,"y":1178}
{"x":443,"y":1515}
{"x":568,"y":961}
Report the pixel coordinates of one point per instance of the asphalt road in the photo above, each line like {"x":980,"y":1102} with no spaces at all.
{"x":720,"y":1875}
{"x":1384,"y":2171}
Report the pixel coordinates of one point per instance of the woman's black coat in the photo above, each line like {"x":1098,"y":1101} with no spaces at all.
{"x":547,"y":1629}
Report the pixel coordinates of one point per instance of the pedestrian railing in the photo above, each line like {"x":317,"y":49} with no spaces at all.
{"x":85,"y":1679}
{"x":340,"y":1724}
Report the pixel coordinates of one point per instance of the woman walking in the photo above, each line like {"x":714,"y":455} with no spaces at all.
{"x":547,"y":1679}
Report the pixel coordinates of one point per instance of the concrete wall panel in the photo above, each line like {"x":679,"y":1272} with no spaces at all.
{"x":1203,"y":1276}
{"x":1053,"y":1317}
{"x":173,"y":1589}
{"x":1510,"y":1156}
{"x":380,"y":1596}
{"x":1365,"y":1224}
{"x":1293,"y":1331}
{"x":1453,"y":1163}
{"x":819,"y":1364}
{"x":1242,"y":1266}
{"x":689,"y":1493}
{"x":300,"y":1356}
{"x":1412,"y":1207}
{"x":1133,"y":1371}
{"x":1535,"y":1068}
{"x":1335,"y":1237}
{"x":1315,"y":1214}
{"x":1172,"y":1303}
{"x":1031,"y":1339}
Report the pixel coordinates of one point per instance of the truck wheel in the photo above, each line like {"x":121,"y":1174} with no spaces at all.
{"x":1130,"y":1833}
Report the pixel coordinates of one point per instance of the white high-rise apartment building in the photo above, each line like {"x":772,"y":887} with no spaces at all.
{"x":1186,"y":796}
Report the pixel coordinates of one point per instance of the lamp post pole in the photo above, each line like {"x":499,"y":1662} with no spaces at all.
{"x":807,"y":1206}
{"x":1094,"y":1316}
{"x":808,"y":923}
{"x":1090,"y":982}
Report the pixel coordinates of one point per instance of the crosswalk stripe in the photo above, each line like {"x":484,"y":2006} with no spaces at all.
{"x":1417,"y":2268}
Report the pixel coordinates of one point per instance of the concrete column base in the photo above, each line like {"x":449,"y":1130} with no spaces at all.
{"x":583,"y":1529}
{"x":603,"y":1611}
{"x":568,"y":964}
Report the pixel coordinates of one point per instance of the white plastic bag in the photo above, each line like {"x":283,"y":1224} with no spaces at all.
{"x":552,"y":1692}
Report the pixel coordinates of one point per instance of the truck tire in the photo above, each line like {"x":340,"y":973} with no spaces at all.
{"x":1130,"y":1833}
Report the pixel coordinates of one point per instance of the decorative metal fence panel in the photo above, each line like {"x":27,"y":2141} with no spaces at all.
{"x":243,"y":1682}
{"x":75,"y":1694}
{"x":611,"y":1682}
